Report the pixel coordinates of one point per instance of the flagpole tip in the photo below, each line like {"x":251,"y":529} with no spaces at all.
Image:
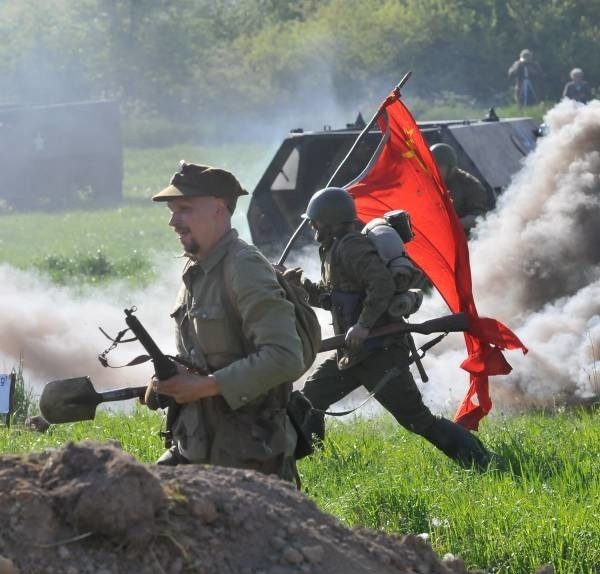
{"x":401,"y":83}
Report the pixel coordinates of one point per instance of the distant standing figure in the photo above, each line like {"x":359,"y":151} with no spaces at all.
{"x":469,"y":197}
{"x":577,"y":89}
{"x":526,"y":74}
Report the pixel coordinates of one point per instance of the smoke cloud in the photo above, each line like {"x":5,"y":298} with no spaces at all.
{"x":536,"y":267}
{"x":55,"y":329}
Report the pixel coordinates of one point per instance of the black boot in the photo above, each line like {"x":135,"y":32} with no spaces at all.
{"x":458,"y":443}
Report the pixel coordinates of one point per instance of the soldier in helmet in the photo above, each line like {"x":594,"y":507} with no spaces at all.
{"x":577,"y":89}
{"x":469,"y":197}
{"x":526,"y":74}
{"x":358,"y":288}
{"x":233,"y":321}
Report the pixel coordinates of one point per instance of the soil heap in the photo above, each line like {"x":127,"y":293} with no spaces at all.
{"x":90,"y":508}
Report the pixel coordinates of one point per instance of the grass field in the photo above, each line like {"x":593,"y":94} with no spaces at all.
{"x":96,"y":245}
{"x":543,"y":508}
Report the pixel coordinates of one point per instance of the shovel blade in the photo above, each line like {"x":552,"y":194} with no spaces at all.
{"x":69,"y":400}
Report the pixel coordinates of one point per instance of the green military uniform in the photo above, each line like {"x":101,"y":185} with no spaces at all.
{"x":351,"y":266}
{"x":232,"y":318}
{"x":359,"y":290}
{"x":468,"y":197}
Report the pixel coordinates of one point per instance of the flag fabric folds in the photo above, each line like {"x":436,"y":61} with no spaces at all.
{"x":403,"y":175}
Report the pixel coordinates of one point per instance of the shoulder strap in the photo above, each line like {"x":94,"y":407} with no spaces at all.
{"x":228,"y":298}
{"x":334,"y":259}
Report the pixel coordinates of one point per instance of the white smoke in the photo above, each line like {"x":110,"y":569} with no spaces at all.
{"x":536,"y":267}
{"x":55,"y":329}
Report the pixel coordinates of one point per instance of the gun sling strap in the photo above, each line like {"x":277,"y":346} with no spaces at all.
{"x":420,"y":353}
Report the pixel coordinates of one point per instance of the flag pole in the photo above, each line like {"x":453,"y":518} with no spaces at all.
{"x":360,"y":137}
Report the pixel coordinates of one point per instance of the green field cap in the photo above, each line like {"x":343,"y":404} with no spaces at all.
{"x":194,"y":180}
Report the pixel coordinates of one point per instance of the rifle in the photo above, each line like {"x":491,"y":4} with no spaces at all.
{"x":454,"y":323}
{"x":70,"y":400}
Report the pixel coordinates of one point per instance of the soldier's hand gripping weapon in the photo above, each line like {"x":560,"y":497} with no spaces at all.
{"x":76,"y":399}
{"x":70,"y":400}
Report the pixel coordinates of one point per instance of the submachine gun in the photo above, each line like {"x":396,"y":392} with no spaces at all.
{"x":70,"y":400}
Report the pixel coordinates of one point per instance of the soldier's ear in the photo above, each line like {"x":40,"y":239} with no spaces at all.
{"x":222,"y":206}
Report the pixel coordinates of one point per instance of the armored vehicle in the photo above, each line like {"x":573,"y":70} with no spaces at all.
{"x":51,"y":154}
{"x":491,"y":149}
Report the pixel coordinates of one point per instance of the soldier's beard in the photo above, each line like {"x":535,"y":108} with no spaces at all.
{"x":190,"y":245}
{"x":192,"y":248}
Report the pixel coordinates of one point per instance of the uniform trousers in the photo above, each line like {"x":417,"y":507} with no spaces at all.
{"x":400,"y":396}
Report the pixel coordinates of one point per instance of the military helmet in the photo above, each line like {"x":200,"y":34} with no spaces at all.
{"x":331,"y":206}
{"x":444,"y":154}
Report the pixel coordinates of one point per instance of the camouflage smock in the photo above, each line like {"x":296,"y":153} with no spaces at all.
{"x":250,"y":344}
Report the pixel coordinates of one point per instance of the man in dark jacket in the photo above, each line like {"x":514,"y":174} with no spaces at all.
{"x":527,"y":75}
{"x":578,"y":89}
{"x":358,"y":288}
{"x":469,"y":197}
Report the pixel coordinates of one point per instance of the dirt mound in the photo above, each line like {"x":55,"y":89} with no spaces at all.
{"x":90,"y":508}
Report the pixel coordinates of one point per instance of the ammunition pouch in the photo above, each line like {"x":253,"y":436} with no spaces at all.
{"x":345,"y":310}
{"x":405,"y":304}
{"x":308,"y":423}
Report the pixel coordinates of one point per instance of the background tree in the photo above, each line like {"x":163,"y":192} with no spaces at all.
{"x":211,"y":62}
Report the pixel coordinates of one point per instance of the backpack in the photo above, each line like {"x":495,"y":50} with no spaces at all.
{"x":307,"y":322}
{"x":389,"y":234}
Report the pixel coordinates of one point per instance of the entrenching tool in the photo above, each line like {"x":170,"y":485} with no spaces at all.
{"x":70,"y":400}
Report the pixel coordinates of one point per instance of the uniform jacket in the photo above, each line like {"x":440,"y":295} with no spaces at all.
{"x":350,"y":265}
{"x":526,"y":75}
{"x":468,"y":197}
{"x":578,"y":91}
{"x":232,"y":318}
{"x":521,"y":70}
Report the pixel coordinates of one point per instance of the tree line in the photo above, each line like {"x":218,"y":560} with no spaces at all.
{"x":200,"y":59}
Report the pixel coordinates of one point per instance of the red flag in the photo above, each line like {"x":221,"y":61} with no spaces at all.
{"x":403,"y":175}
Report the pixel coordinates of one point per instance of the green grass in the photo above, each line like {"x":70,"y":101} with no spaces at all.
{"x":88,"y":246}
{"x":462,"y":108}
{"x":137,"y":432}
{"x":147,"y":171}
{"x":24,"y":400}
{"x":99,"y":245}
{"x":542,"y":508}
